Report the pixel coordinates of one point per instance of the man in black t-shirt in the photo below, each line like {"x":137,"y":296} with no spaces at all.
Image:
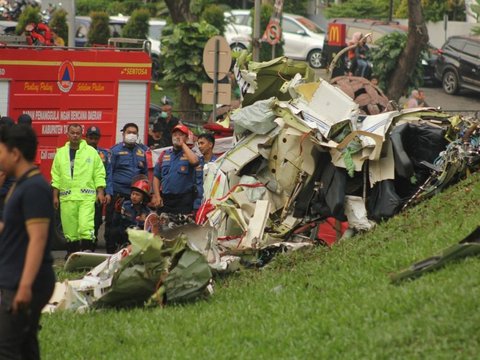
{"x":27,"y":279}
{"x":167,"y":121}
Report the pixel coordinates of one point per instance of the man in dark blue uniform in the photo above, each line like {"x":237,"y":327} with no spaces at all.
{"x":27,"y":279}
{"x":93,"y":137}
{"x":174,"y":176}
{"x":127,"y":160}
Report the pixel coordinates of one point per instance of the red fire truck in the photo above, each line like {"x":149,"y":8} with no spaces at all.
{"x":105,"y":87}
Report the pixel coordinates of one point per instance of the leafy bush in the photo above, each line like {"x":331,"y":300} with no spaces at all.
{"x":385,"y":59}
{"x":85,"y":7}
{"x":213,"y":15}
{"x":29,"y":15}
{"x":182,"y":49}
{"x":360,"y":9}
{"x":99,"y":31}
{"x":434,"y":10}
{"x":296,"y":7}
{"x":124,"y":7}
{"x":137,"y":25}
{"x":58,"y":24}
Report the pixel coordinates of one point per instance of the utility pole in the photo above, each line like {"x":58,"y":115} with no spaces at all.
{"x":71,"y":23}
{"x":390,"y":12}
{"x":256,"y":32}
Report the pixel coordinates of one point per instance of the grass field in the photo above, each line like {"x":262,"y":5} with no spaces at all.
{"x":320,"y":304}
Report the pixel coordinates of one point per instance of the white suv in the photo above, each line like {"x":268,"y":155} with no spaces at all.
{"x":303,"y":38}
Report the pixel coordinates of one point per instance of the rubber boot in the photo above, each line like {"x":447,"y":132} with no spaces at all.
{"x":72,"y":246}
{"x":68,"y":246}
{"x":87,"y":245}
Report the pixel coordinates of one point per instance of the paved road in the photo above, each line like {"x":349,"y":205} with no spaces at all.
{"x":465,"y":101}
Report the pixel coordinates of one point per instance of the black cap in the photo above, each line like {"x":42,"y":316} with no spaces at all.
{"x":127,"y":125}
{"x":6,"y":121}
{"x":93,"y":130}
{"x":24,"y":119}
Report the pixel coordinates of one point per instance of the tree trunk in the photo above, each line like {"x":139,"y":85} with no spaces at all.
{"x":188,"y":105}
{"x":180,"y":12}
{"x":416,"y":41}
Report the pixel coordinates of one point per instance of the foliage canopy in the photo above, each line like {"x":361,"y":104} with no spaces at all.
{"x":360,"y":9}
{"x":385,"y":60}
{"x":99,"y":30}
{"x":182,"y":49}
{"x":58,"y":23}
{"x":433,"y":10}
{"x":137,"y":25}
{"x":29,"y":15}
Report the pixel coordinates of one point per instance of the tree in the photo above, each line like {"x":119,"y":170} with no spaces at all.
{"x":417,"y":40}
{"x":85,"y":7}
{"x":99,"y":31}
{"x":59,"y":25}
{"x":180,"y":11}
{"x":29,"y":15}
{"x":137,"y":25}
{"x":385,"y":59}
{"x":434,"y":10}
{"x":213,"y":14}
{"x":360,"y":9}
{"x":182,"y":49}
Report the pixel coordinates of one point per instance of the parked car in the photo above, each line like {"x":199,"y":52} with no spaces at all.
{"x":7,"y":27}
{"x":82,"y":25}
{"x":237,"y":40}
{"x":458,"y":64}
{"x":303,"y":39}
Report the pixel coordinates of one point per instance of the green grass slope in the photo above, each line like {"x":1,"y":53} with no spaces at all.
{"x":320,"y":304}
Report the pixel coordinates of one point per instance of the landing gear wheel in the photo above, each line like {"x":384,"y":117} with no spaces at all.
{"x":450,"y":82}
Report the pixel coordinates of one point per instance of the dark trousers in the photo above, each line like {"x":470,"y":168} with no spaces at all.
{"x":178,"y":203}
{"x":110,"y":243}
{"x":97,"y":219}
{"x":18,"y":333}
{"x":2,"y":205}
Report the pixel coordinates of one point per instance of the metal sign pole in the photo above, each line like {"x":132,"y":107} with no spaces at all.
{"x":273,"y":51}
{"x":71,"y":24}
{"x":215,"y":80}
{"x":256,"y":31}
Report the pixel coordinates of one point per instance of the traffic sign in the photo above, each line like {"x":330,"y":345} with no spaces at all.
{"x":273,"y":33}
{"x":217,"y":46}
{"x":224,"y":93}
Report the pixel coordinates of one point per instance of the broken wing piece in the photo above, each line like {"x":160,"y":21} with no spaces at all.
{"x":456,"y":252}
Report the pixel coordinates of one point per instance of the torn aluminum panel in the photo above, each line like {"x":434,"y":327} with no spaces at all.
{"x":270,"y":78}
{"x":256,"y":224}
{"x":285,"y":159}
{"x":257,"y":118}
{"x":326,"y":108}
{"x":383,"y":168}
{"x":244,"y":152}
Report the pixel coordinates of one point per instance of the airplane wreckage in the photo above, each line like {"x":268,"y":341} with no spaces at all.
{"x":307,"y":163}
